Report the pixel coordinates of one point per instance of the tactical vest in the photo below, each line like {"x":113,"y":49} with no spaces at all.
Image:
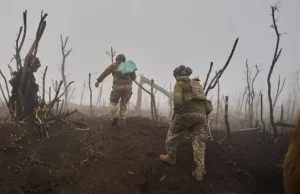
{"x":191,"y":89}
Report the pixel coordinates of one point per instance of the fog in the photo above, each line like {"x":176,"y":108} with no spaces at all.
{"x":158,"y":36}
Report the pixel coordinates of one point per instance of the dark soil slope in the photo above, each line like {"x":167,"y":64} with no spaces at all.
{"x":109,"y":160}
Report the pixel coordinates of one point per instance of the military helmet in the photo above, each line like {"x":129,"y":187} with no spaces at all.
{"x":121,"y":57}
{"x":182,"y":70}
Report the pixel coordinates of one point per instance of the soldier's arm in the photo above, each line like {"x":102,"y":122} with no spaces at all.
{"x":133,"y":76}
{"x":105,"y":73}
{"x":177,"y":99}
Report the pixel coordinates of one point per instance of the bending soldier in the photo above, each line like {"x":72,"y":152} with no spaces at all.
{"x":121,"y":90}
{"x":33,"y":88}
{"x":189,"y":114}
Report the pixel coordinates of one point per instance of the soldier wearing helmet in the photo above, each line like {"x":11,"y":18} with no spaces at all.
{"x":189,"y":114}
{"x":121,"y":90}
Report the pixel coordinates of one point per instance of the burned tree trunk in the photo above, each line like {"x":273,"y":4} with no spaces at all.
{"x":111,"y":54}
{"x":282,"y":118}
{"x":44,"y":82}
{"x":257,"y":105}
{"x":262,"y":115}
{"x":65,"y":54}
{"x":49,"y":94}
{"x":276,"y":56}
{"x":251,"y":92}
{"x":288,"y":109}
{"x":91,"y":96}
{"x":226,"y":120}
{"x":19,"y":103}
{"x":218,"y":104}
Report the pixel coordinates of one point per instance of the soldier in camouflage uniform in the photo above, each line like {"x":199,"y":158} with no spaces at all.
{"x":32,"y":94}
{"x":121,"y":89}
{"x":189,"y":114}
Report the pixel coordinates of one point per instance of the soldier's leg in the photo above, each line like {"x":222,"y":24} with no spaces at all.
{"x":175,"y":131}
{"x":198,"y":137}
{"x":113,"y":105}
{"x":125,"y":97}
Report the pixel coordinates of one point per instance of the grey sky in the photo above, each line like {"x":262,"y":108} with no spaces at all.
{"x":158,"y":35}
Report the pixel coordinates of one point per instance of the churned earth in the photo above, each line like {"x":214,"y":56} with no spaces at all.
{"x":109,"y":160}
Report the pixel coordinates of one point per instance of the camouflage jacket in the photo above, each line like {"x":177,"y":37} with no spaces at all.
{"x":188,"y":96}
{"x":117,"y":78}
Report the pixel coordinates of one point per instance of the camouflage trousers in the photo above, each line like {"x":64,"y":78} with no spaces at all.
{"x":194,"y":124}
{"x":122,"y":94}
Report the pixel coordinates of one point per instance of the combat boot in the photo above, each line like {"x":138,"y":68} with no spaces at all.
{"x":122,"y":123}
{"x":198,"y":174}
{"x":166,"y":158}
{"x":114,"y":121}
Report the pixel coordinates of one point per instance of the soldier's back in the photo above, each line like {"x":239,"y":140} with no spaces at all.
{"x":291,"y":167}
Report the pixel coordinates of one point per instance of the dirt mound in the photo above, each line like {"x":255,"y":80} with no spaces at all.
{"x":109,"y":160}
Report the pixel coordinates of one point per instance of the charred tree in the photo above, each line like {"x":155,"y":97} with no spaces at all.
{"x":276,"y":56}
{"x":218,"y":104}
{"x":65,"y":53}
{"x":91,"y":96}
{"x":49,"y":94}
{"x":44,"y":82}
{"x":262,"y":115}
{"x":282,"y":118}
{"x":250,"y":91}
{"x":19,"y":103}
{"x":226,"y":121}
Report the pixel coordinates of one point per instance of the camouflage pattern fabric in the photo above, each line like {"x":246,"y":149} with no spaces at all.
{"x":188,"y":96}
{"x":120,"y":92}
{"x":194,"y":123}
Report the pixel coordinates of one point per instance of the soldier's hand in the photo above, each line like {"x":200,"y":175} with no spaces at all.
{"x":97,"y":84}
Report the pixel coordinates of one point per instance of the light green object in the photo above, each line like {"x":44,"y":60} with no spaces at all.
{"x":127,"y":67}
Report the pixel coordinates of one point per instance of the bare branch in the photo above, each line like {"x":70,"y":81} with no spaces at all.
{"x":279,"y":90}
{"x":6,"y":85}
{"x":220,"y":72}
{"x":208,"y":74}
{"x":65,"y":54}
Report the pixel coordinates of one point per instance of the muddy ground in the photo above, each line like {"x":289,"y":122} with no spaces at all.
{"x":109,"y":160}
